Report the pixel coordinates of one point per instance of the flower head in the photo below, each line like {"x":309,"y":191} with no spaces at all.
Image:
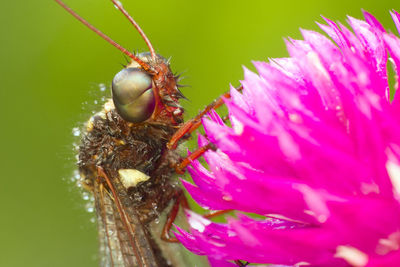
{"x":314,"y":146}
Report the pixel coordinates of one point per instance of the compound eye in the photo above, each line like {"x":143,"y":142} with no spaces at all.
{"x":133,"y":95}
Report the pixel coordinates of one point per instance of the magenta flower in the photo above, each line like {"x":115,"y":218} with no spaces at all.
{"x":314,"y":147}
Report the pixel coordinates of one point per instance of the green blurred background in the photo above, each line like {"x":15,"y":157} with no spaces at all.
{"x":51,"y":69}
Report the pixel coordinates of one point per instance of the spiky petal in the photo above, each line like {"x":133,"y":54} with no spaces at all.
{"x":314,"y":146}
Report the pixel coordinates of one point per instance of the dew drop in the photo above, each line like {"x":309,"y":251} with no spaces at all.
{"x":238,"y":127}
{"x":102,"y":87}
{"x":231,"y":234}
{"x":295,"y":118}
{"x":119,"y":3}
{"x":216,"y":243}
{"x":85,"y":196}
{"x":75,"y":146}
{"x":322,"y":218}
{"x":76,"y":131}
{"x":89,"y":207}
{"x":75,"y":176}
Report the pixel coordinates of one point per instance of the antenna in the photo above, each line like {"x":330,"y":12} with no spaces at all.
{"x":144,"y":65}
{"x":141,"y":32}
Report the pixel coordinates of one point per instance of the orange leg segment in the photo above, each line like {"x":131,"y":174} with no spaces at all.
{"x":213,"y":214}
{"x":191,"y":125}
{"x":187,"y":128}
{"x":180,"y":168}
{"x":180,"y":200}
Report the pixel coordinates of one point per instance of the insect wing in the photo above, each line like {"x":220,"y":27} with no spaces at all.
{"x":118,"y":237}
{"x":111,"y":253}
{"x":126,"y":242}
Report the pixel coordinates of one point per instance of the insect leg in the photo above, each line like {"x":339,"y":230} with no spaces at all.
{"x":213,"y":214}
{"x":179,"y":168}
{"x":191,"y":125}
{"x":180,"y":200}
{"x":125,"y":221}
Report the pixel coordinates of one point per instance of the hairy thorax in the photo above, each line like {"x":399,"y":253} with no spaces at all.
{"x":134,"y":157}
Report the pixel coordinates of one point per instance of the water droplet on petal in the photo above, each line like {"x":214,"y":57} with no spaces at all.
{"x":231,"y":233}
{"x":227,"y":197}
{"x":216,"y":243}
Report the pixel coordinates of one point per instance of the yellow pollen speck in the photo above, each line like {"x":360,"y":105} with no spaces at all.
{"x":89,"y":126}
{"x":120,"y":142}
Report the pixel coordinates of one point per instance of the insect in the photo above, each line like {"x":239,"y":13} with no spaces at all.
{"x":127,"y":157}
